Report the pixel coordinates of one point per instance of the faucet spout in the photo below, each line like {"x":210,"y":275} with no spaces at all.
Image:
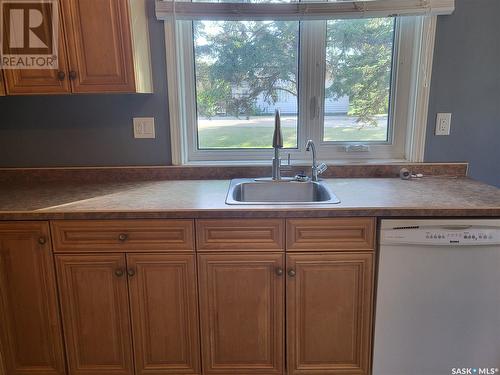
{"x":316,"y":169}
{"x":278,"y":135}
{"x":277,"y":145}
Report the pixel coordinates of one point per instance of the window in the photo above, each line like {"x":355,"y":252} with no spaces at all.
{"x":359,"y":64}
{"x":357,"y":87}
{"x":244,"y":71}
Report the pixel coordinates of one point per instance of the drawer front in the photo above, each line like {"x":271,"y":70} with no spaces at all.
{"x":122,"y":235}
{"x":240,"y":235}
{"x":330,"y":234}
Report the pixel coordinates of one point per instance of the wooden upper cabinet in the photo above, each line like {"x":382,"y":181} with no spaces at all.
{"x":164,"y":305}
{"x":95,"y":311}
{"x":108,"y":45}
{"x":41,"y":81}
{"x":30,"y":330}
{"x":242,"y":313}
{"x":2,"y":83}
{"x":329,"y":313}
{"x":103,"y":48}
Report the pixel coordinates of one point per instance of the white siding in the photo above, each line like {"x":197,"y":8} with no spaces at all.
{"x":287,"y":104}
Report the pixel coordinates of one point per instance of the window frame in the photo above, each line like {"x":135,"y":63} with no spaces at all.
{"x":413,"y":54}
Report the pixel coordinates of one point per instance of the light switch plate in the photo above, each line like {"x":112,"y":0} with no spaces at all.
{"x":443,"y":123}
{"x":144,"y":127}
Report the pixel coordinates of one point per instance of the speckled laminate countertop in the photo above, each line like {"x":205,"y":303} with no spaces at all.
{"x":385,"y":197}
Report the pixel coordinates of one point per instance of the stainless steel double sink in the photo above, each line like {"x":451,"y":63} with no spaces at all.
{"x":268,"y":191}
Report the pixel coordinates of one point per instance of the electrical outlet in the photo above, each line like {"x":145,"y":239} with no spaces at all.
{"x":144,"y":127}
{"x":443,"y":124}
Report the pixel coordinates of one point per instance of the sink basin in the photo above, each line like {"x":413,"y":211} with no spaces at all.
{"x":252,"y":191}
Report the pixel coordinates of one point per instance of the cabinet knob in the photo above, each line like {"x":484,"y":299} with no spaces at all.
{"x":279,"y":271}
{"x":291,"y":273}
{"x":123,"y":237}
{"x":119,"y":272}
{"x":72,"y":75}
{"x":61,"y":75}
{"x":131,"y":272}
{"x":42,"y":240}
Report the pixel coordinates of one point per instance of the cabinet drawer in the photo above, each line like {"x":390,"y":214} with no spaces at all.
{"x":240,"y":235}
{"x":122,"y":235}
{"x":330,"y":234}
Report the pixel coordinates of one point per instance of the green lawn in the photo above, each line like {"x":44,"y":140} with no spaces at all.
{"x":261,"y":137}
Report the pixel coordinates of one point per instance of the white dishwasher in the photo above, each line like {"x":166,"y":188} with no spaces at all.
{"x":438,"y":298}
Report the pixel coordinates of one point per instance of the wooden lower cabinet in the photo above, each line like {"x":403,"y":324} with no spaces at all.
{"x":242,"y":313}
{"x":30,"y":330}
{"x":95,"y":312}
{"x":329,"y":313}
{"x":121,"y":309}
{"x":164,"y":305}
{"x":127,"y":311}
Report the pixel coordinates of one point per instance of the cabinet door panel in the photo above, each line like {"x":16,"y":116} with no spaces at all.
{"x":30,"y":330}
{"x":164,"y":306}
{"x":99,"y":45}
{"x":2,"y":83}
{"x":41,"y":81}
{"x":95,"y":309}
{"x":241,"y":310}
{"x":329,"y":308}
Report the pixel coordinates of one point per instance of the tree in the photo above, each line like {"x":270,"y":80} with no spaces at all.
{"x":239,"y":61}
{"x":359,"y":65}
{"x":253,"y":58}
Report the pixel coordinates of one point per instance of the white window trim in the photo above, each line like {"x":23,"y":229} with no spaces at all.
{"x":412,"y":84}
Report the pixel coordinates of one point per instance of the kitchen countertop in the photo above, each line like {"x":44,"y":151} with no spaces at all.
{"x":385,"y":197}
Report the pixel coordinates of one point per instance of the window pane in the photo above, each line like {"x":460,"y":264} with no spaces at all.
{"x":244,"y":71}
{"x":358,"y":79}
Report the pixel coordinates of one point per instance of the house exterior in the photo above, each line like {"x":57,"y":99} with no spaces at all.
{"x":287,"y":104}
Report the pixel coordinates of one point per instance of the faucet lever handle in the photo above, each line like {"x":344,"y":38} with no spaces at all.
{"x":322,"y":168}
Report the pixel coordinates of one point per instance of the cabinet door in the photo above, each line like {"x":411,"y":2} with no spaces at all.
{"x":99,"y":45}
{"x":241,"y":310}
{"x":41,"y":81}
{"x":164,"y":306}
{"x":30,"y":330}
{"x":2,"y":84}
{"x":95,"y":310}
{"x":329,"y":308}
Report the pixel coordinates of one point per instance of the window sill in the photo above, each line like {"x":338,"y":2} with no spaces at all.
{"x":259,"y":163}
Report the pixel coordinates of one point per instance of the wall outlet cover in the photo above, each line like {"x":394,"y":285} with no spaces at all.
{"x":144,"y":127}
{"x":443,"y":124}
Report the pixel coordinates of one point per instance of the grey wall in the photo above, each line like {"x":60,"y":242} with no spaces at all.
{"x":88,"y":130}
{"x":466,"y":82}
{"x":97,"y":129}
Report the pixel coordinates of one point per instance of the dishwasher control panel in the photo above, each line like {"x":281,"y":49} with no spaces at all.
{"x":486,"y":236}
{"x":441,"y":235}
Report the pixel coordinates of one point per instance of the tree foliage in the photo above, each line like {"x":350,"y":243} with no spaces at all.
{"x":237,"y":62}
{"x":359,"y":65}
